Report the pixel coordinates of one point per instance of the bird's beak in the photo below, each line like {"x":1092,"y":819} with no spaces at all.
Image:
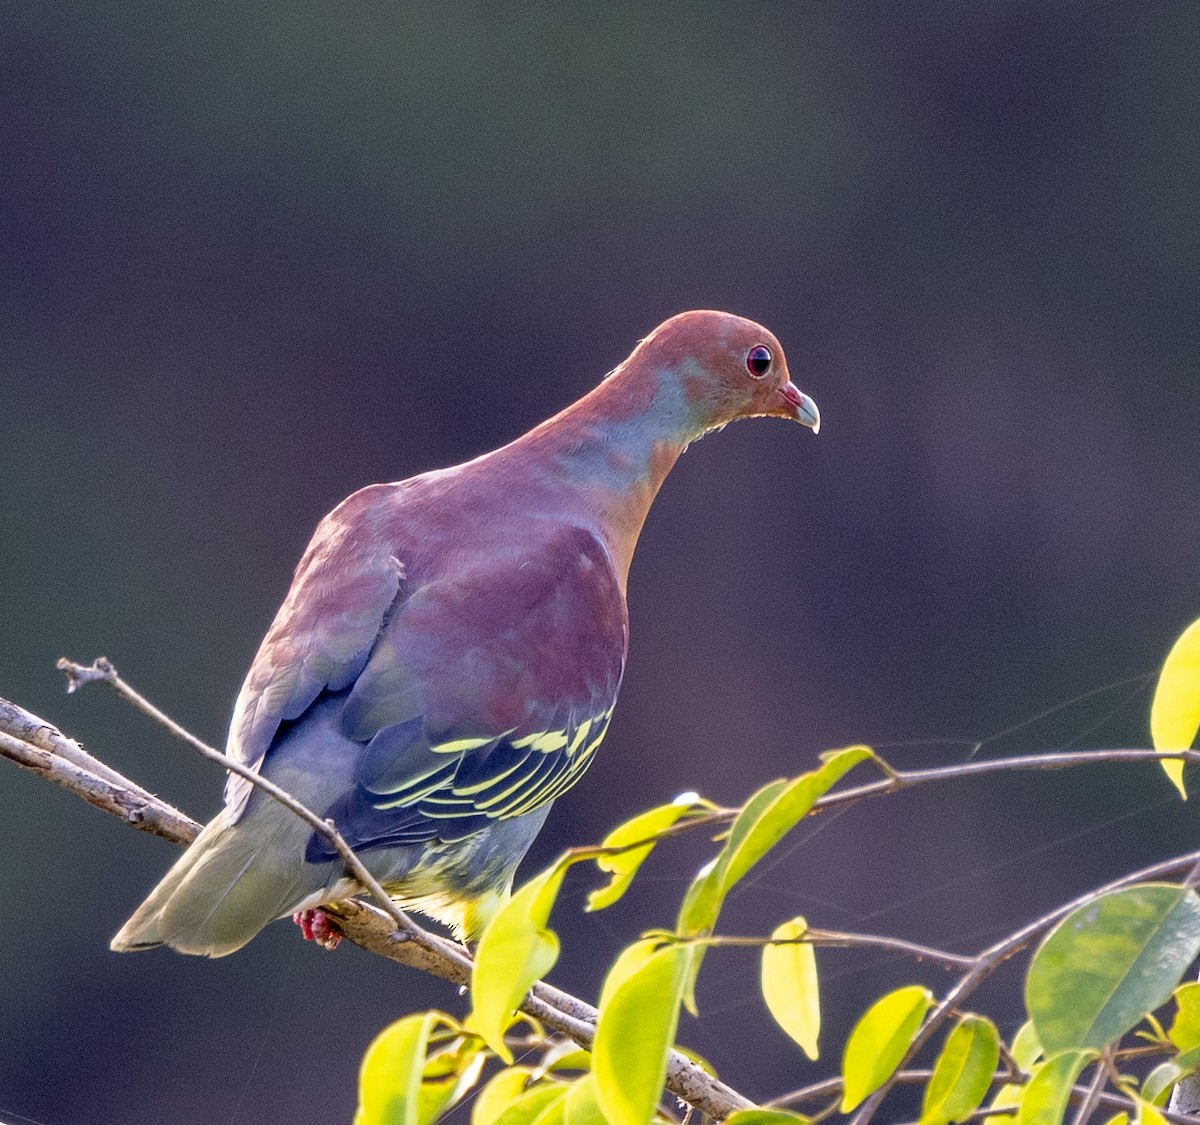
{"x":802,"y":408}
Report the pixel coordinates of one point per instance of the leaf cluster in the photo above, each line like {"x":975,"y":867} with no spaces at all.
{"x":1110,"y":1027}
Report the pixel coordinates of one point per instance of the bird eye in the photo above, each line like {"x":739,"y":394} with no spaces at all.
{"x":758,"y":361}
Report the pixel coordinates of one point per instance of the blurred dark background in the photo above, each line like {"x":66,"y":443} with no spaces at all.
{"x":254,"y":256}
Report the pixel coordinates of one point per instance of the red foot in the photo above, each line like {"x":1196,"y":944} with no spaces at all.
{"x":317,"y":926}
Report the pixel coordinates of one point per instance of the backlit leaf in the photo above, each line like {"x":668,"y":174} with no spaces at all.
{"x":623,"y":865}
{"x":1109,"y":963}
{"x":1185,"y":1030}
{"x":1026,"y":1048}
{"x":1175,"y":712}
{"x":1046,"y":1097}
{"x":1148,"y":1115}
{"x":638,"y":1016}
{"x":879,"y":1041}
{"x":963,"y":1072}
{"x":530,"y":1105}
{"x":390,"y":1085}
{"x":789,"y":985}
{"x":515,"y":950}
{"x":764,"y":820}
{"x":508,"y":1085}
{"x":1158,"y":1083}
{"x":582,"y":1105}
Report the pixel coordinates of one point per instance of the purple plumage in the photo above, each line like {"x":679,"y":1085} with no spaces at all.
{"x":448,"y":657}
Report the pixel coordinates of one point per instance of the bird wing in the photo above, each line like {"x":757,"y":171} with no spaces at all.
{"x":321,"y":638}
{"x":486,"y":696}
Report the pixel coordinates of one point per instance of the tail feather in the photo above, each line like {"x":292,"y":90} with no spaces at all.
{"x":225,"y":888}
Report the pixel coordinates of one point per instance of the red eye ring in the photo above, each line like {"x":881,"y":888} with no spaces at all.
{"x":758,"y":361}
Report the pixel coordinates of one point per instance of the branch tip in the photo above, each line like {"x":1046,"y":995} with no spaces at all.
{"x":80,"y":674}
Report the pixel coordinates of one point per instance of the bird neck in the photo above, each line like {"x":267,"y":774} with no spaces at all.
{"x":608,"y":454}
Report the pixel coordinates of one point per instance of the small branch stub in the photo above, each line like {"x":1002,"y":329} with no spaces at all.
{"x":80,"y":674}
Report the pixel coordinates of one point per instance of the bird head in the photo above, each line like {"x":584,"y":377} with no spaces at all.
{"x":723,"y":367}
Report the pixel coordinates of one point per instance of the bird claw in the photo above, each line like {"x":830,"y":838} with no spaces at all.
{"x":316,"y":925}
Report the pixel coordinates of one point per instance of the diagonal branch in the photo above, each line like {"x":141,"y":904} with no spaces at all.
{"x":40,"y":747}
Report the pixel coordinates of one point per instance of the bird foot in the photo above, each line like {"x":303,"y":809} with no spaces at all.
{"x":317,"y":926}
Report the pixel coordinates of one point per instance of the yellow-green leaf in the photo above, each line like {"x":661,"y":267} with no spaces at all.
{"x":564,"y":1055}
{"x":963,"y":1072}
{"x":582,"y":1105}
{"x":530,"y":1105}
{"x":1046,"y":1097}
{"x":1185,"y":1029}
{"x":554,"y":1111}
{"x":1148,"y":1115}
{"x":752,"y":836}
{"x":764,"y":820}
{"x":1026,"y":1048}
{"x":628,"y":961}
{"x":623,"y":865}
{"x":508,"y":1085}
{"x":879,"y":1041}
{"x":638,"y":1016}
{"x":789,"y":985}
{"x":515,"y":950}
{"x":1175,"y":712}
{"x":1158,"y":1083}
{"x":765,"y":1117}
{"x":1107,"y":964}
{"x":390,"y":1079}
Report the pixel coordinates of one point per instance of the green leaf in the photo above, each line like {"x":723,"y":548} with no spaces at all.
{"x":1175,"y":712}
{"x":879,"y":1041}
{"x":515,"y":950}
{"x":499,"y":1094}
{"x":1109,"y":963}
{"x":564,"y":1055}
{"x":789,"y":985}
{"x":1026,"y":1048}
{"x":756,"y":831}
{"x":583,"y":1105}
{"x":624,"y":865}
{"x":628,"y":962}
{"x":554,"y":1112}
{"x":638,"y":1016}
{"x":764,"y":820}
{"x":1046,"y":1097}
{"x":1157,"y":1084}
{"x":963,"y":1072}
{"x":765,"y":1117}
{"x":530,"y":1106}
{"x":1148,"y":1115}
{"x":1185,"y":1030}
{"x":390,"y":1079}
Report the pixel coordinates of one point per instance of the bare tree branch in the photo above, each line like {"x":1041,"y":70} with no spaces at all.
{"x":38,"y":746}
{"x":385,"y":930}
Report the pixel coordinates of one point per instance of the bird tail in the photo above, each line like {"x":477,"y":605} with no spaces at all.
{"x":224,"y":889}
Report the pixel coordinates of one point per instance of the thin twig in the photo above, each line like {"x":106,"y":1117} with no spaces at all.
{"x":908,"y":779}
{"x":1092,"y":1099}
{"x":364,"y":924}
{"x":839,"y":940}
{"x":993,"y":957}
{"x":101,"y":670}
{"x":918,"y":1076}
